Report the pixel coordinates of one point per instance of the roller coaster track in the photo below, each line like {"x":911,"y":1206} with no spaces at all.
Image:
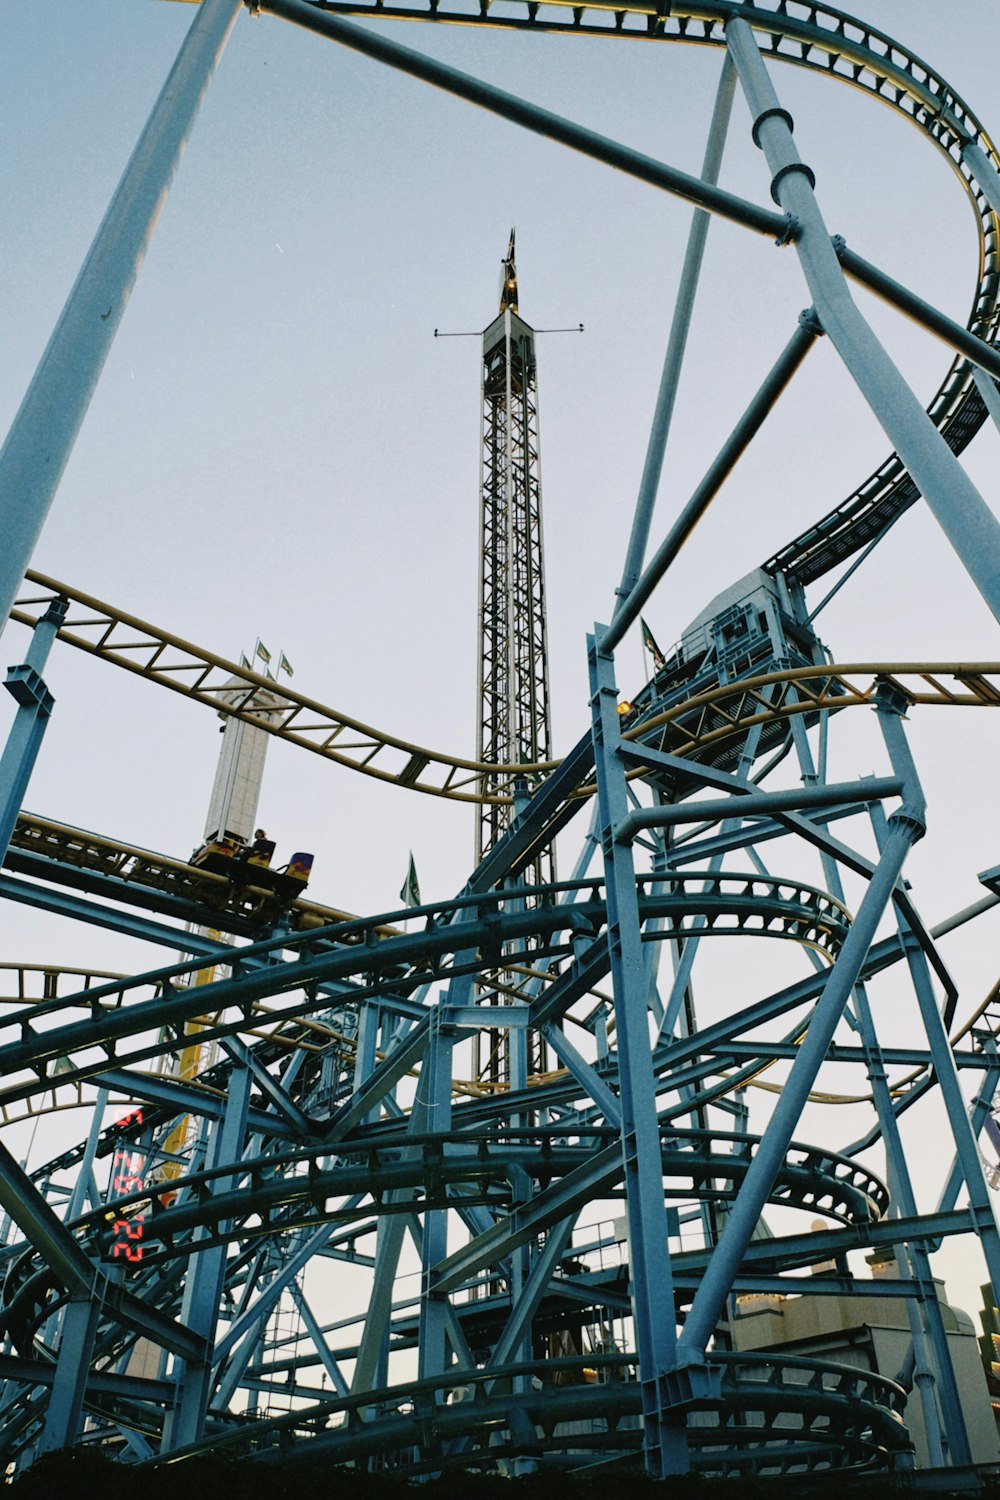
{"x":299,"y":990}
{"x":705,"y":727}
{"x":55,"y":846}
{"x":166,"y":659}
{"x":692,"y":728}
{"x":119,"y":1015}
{"x":792,"y":1414}
{"x":74,"y":856}
{"x":288,"y":1193}
{"x":282,"y":1193}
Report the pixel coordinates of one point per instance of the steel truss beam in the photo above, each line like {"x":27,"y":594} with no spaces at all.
{"x":338,"y":1123}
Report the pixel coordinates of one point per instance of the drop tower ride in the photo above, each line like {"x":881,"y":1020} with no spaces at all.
{"x":514,"y":725}
{"x":513,"y":715}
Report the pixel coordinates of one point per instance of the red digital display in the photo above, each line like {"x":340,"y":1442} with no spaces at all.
{"x":127,"y":1176}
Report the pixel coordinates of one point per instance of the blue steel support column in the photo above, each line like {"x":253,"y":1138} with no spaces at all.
{"x":983,"y":170}
{"x":236,"y":1348}
{"x":34,"y":707}
{"x":912,"y":1260}
{"x":42,"y":435}
{"x":203,"y":1290}
{"x":81,"y":1187}
{"x":943,"y":1062}
{"x":738,"y":441}
{"x":543,"y":121}
{"x":963,"y":515}
{"x":986,"y":387}
{"x":687,"y":948}
{"x":371,"y":1366}
{"x":435,"y":1085}
{"x":62,"y":1419}
{"x":366,"y":1050}
{"x":980,"y":1114}
{"x":905,"y":827}
{"x":654,"y":1315}
{"x":677,"y":342}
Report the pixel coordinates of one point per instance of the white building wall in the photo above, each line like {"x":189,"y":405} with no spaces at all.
{"x":843,"y":1329}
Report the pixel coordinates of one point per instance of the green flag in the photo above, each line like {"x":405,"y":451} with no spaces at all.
{"x":650,"y":644}
{"x":262,"y":652}
{"x":410,"y":894}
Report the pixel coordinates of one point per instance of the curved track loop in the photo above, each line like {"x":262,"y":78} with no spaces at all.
{"x":348,"y":1186}
{"x":705,"y":727}
{"x":290,"y":1191}
{"x":104,"y":631}
{"x":790,"y":1415}
{"x":288,"y":1194}
{"x":294,"y":972}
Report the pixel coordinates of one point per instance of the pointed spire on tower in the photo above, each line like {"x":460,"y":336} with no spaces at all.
{"x":508,"y":283}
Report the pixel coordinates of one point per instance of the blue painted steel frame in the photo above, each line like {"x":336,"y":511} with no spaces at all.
{"x":673,"y":1373}
{"x":34,"y":708}
{"x":654,"y":1314}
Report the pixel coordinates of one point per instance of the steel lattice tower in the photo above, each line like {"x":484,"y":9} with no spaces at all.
{"x":513,"y":721}
{"x":514,"y":726}
{"x":157,"y":1302}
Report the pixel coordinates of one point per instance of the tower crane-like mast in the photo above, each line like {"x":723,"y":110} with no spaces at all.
{"x":514,"y":720}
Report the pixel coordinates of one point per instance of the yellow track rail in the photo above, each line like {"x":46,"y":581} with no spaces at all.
{"x":687,"y":728}
{"x":141,"y":867}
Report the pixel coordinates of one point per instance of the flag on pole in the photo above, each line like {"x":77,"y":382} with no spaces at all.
{"x":659,"y":660}
{"x":243,"y":661}
{"x":262,"y":651}
{"x":284,"y":665}
{"x":410,"y":894}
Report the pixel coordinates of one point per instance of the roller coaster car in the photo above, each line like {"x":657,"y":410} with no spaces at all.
{"x":228,"y":857}
{"x":218,"y":857}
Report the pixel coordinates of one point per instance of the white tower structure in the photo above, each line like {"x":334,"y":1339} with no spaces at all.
{"x":232,"y":809}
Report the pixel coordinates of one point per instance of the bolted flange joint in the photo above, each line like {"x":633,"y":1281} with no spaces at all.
{"x":809,"y":320}
{"x":775,"y":113}
{"x":911,"y":820}
{"x":790,"y":233}
{"x":786,"y":171}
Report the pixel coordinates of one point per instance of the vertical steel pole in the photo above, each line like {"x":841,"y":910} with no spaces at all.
{"x":42,"y":435}
{"x":206,"y":1274}
{"x":371,"y":1367}
{"x":677,"y":342}
{"x":980,"y":1202}
{"x":435,"y":1085}
{"x":653,"y":1309}
{"x":62,"y":1419}
{"x":960,"y":510}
